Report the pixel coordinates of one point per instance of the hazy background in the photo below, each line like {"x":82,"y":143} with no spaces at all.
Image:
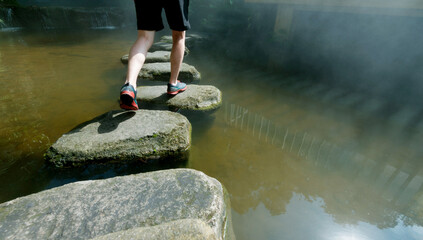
{"x":377,"y":50}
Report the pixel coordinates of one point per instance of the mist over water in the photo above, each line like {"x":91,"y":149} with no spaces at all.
{"x":374,"y":49}
{"x":377,"y":54}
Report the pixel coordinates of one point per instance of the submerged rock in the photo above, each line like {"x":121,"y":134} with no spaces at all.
{"x":89,"y":209}
{"x":123,"y":136}
{"x":152,"y":57}
{"x":193,"y":229}
{"x":161,"y":72}
{"x":196,"y":97}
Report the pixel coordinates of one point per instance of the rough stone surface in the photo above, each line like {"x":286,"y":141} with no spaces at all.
{"x":152,"y":57}
{"x":164,"y":46}
{"x":161,"y":72}
{"x":193,"y":229}
{"x":123,"y":135}
{"x":88,"y":209}
{"x":196,"y":97}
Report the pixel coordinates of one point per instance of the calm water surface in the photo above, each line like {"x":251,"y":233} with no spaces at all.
{"x":300,"y":159}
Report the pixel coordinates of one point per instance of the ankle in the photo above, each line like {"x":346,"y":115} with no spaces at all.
{"x":134,"y":86}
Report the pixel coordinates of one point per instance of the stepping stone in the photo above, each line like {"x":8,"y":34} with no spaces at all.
{"x":89,"y":209}
{"x":196,"y":97}
{"x":161,"y":72}
{"x":120,"y":135}
{"x":164,"y":46}
{"x":152,"y":57}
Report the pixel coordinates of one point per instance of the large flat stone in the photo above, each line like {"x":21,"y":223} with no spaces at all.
{"x":192,"y":229}
{"x":196,"y":97}
{"x":89,"y":209}
{"x":152,"y":57}
{"x":161,"y":72}
{"x":123,"y":135}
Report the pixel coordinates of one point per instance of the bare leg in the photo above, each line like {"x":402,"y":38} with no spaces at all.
{"x":177,"y":55}
{"x":137,"y":55}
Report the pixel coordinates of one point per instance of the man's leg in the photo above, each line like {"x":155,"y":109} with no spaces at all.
{"x":178,"y":49}
{"x":177,"y":55}
{"x":137,"y":55}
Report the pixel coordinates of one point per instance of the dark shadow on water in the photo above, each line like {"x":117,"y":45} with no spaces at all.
{"x":201,"y":121}
{"x":56,"y":177}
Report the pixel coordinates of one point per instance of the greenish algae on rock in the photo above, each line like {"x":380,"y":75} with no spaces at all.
{"x":196,"y":97}
{"x":192,"y":229}
{"x":161,"y":72}
{"x":89,"y":209}
{"x":120,"y":135}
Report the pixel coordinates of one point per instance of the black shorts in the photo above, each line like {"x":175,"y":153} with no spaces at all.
{"x":149,"y":14}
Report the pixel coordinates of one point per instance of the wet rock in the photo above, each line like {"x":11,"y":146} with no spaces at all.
{"x":89,"y":209}
{"x":119,"y":136}
{"x":161,"y":72}
{"x":196,"y":97}
{"x":164,"y":46}
{"x":193,"y":229}
{"x":152,"y":57}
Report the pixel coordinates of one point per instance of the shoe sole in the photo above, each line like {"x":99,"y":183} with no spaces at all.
{"x":125,"y":99}
{"x":177,"y":91}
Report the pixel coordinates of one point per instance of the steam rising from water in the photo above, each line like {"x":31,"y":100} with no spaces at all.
{"x":366,"y":46}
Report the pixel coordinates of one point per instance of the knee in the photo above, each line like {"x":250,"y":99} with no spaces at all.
{"x":146,"y":36}
{"x":178,"y":36}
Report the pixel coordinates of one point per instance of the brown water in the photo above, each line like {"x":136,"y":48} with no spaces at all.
{"x":300,"y":159}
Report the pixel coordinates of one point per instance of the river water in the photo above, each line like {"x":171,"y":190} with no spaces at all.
{"x":301,"y":159}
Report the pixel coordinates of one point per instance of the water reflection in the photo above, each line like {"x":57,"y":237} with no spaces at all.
{"x":357,"y":152}
{"x":307,"y":219}
{"x":269,"y":163}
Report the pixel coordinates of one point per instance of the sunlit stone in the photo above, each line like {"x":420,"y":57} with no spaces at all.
{"x":196,"y":97}
{"x":119,"y":136}
{"x":161,"y":72}
{"x":89,"y":209}
{"x":152,"y":57}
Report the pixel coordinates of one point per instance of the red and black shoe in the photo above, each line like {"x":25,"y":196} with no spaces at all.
{"x":128,"y":97}
{"x":175,"y":89}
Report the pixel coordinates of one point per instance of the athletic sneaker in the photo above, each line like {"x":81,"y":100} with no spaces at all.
{"x":128,"y":97}
{"x":175,"y":89}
